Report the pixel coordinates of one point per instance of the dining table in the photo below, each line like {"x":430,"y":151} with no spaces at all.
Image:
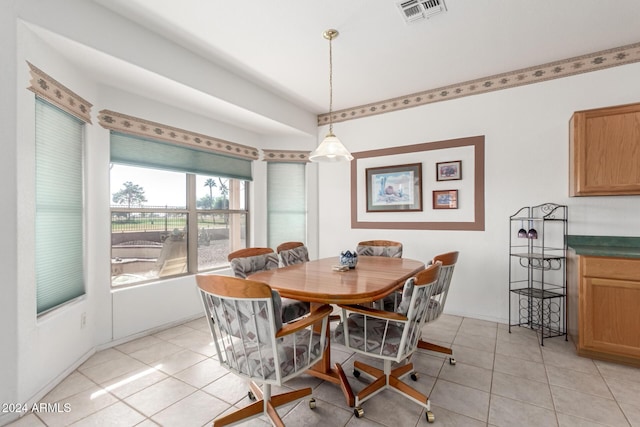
{"x":320,"y":282}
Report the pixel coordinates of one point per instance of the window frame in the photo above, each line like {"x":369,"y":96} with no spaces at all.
{"x":191,"y":212}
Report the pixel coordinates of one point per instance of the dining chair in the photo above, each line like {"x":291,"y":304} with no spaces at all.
{"x":439,"y":297}
{"x":292,"y":253}
{"x":251,"y":342}
{"x":390,"y":336}
{"x":245,"y":262}
{"x":387,"y":248}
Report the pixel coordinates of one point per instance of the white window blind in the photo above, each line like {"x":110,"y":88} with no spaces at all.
{"x":138,"y":151}
{"x":287,"y":204}
{"x":59,"y":207}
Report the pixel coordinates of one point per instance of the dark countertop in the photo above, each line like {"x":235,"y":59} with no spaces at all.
{"x":606,"y":246}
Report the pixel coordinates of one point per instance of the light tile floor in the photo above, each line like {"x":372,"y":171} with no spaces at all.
{"x":500,"y":379}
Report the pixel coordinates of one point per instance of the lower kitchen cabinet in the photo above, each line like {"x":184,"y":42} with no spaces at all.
{"x":605,"y":303}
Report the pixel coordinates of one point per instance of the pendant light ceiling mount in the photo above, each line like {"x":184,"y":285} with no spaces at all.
{"x":330,"y":34}
{"x":330,"y":149}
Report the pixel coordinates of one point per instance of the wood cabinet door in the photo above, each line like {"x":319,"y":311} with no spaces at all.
{"x":611,"y":316}
{"x":605,"y":151}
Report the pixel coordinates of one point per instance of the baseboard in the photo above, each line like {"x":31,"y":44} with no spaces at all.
{"x":40,"y":394}
{"x":477,"y":316}
{"x":147,"y":332}
{"x":6,"y":418}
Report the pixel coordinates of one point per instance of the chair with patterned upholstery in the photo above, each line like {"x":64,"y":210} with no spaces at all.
{"x":439,"y":297}
{"x":390,"y":336}
{"x":292,"y":253}
{"x":245,"y":262}
{"x":251,"y":341}
{"x":386,"y":248}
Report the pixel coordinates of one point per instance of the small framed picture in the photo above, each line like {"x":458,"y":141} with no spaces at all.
{"x":449,"y":171}
{"x":445,"y":199}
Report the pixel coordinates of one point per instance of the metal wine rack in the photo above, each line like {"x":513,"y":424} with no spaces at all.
{"x":538,"y":269}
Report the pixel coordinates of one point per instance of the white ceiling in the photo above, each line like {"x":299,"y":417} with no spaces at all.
{"x":279,"y":45}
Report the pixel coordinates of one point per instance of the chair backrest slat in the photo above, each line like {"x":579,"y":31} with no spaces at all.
{"x":245,"y":262}
{"x":292,"y":253}
{"x":288,"y":246}
{"x":424,"y":284}
{"x":387,"y":248}
{"x":247,"y":252}
{"x":441,"y":289}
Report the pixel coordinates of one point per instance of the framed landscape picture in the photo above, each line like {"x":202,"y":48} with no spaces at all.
{"x":445,"y":199}
{"x":394,"y":188}
{"x":449,"y":171}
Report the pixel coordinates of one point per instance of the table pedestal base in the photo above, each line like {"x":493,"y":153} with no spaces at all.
{"x":335,"y":375}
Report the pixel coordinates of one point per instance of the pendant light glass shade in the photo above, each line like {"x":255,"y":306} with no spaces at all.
{"x":330,"y":149}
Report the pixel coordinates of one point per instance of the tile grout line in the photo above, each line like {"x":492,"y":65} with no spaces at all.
{"x":624,"y":414}
{"x":493,"y":370}
{"x":554,"y":353}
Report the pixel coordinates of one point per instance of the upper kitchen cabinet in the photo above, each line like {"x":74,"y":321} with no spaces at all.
{"x":604,"y":151}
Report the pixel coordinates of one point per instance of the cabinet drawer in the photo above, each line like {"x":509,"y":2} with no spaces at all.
{"x":611,"y":268}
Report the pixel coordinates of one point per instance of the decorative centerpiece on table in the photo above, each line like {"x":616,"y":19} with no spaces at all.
{"x":348,"y":258}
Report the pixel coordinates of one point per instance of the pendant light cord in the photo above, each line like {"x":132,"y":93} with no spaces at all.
{"x":330,"y":85}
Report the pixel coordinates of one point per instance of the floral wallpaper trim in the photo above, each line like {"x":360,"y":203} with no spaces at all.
{"x":553,"y":70}
{"x":286,"y":156}
{"x":58,"y":94}
{"x":140,"y":127}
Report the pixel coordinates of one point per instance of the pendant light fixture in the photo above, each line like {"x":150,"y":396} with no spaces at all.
{"x":330,"y":149}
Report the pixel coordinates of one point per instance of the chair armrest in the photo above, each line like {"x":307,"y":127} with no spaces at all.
{"x":305,"y":322}
{"x":368,"y":311}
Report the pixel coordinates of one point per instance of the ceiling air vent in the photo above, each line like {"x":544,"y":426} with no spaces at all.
{"x":415,"y":10}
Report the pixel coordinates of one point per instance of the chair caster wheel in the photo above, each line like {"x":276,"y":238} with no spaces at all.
{"x":358,"y":412}
{"x":430,"y":417}
{"x":312,"y":403}
{"x":356,"y":373}
{"x":251,"y":396}
{"x":414,"y":376}
{"x":452,"y":361}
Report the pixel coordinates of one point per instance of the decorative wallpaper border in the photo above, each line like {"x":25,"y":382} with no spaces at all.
{"x":286,"y":156}
{"x":554,"y":70}
{"x":58,"y":94}
{"x":136,"y":126}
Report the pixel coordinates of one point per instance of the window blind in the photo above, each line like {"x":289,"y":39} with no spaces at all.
{"x":286,"y":203}
{"x":59,"y":207}
{"x":138,"y":151}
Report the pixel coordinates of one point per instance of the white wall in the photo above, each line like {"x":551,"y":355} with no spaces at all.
{"x":45,"y":345}
{"x":9,"y":194}
{"x":37,"y":353}
{"x":526,"y":161}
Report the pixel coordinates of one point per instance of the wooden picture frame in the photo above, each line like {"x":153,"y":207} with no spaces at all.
{"x":449,"y":171}
{"x":424,"y":152}
{"x":445,"y":199}
{"x":394,"y":188}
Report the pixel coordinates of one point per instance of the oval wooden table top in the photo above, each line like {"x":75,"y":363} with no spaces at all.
{"x":316,"y":281}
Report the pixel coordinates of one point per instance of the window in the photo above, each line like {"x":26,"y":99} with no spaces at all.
{"x":287,"y":207}
{"x":59,"y":222}
{"x":155,"y":210}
